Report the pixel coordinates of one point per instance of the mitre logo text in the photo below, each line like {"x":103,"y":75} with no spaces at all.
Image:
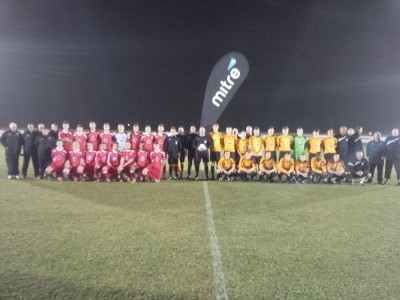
{"x":226,"y":85}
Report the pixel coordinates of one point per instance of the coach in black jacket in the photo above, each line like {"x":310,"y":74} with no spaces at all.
{"x":392,"y":154}
{"x":44,"y":144}
{"x":30,"y":150}
{"x":358,"y":168}
{"x":375,"y":154}
{"x":355,"y":143}
{"x":342,"y":144}
{"x":12,"y":142}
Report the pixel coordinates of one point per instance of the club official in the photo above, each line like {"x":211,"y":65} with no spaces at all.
{"x":12,"y":142}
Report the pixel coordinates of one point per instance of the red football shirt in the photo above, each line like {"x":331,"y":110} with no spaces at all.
{"x":90,"y":157}
{"x":101,"y":158}
{"x":160,"y":139}
{"x":157,"y":158}
{"x":66,"y":135}
{"x":75,"y":158}
{"x":128,"y":155}
{"x":81,"y":139}
{"x":113,"y":159}
{"x":59,"y":156}
{"x":107,"y":138}
{"x":148,"y":142}
{"x":93,"y":137}
{"x":135,"y":139}
{"x":142,"y":158}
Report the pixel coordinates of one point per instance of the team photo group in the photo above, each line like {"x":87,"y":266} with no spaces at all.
{"x":136,"y":156}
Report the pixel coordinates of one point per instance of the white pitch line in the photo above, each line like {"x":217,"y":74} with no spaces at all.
{"x":219,"y":278}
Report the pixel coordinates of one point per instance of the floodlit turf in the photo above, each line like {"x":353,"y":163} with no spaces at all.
{"x":122,"y":241}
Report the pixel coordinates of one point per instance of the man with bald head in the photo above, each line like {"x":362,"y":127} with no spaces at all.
{"x":12,"y":142}
{"x":392,"y":155}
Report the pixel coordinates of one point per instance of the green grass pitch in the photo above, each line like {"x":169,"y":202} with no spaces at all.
{"x":74,"y":240}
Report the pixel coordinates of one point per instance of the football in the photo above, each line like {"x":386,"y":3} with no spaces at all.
{"x":202,"y":147}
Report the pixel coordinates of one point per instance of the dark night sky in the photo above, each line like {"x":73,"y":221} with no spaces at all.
{"x":312,"y":63}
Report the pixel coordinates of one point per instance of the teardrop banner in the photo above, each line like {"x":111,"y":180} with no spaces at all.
{"x":225,"y":79}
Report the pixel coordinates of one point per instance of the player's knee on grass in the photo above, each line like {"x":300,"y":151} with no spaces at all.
{"x":49,"y":170}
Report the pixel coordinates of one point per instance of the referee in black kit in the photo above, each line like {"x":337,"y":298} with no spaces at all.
{"x":202,"y":144}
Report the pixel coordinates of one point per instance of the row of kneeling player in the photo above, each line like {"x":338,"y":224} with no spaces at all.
{"x":287,"y":170}
{"x":126,"y":165}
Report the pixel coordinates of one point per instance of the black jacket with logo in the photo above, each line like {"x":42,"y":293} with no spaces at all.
{"x":172,"y":144}
{"x":375,"y":151}
{"x":12,"y":141}
{"x":342,"y":144}
{"x":29,"y":139}
{"x":44,"y":144}
{"x":392,"y":150}
{"x":359,"y":165}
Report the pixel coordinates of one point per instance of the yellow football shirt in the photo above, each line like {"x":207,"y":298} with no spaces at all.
{"x":229,"y":142}
{"x":216,"y":138}
{"x":285,"y":143}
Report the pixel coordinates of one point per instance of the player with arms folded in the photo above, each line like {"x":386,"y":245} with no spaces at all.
{"x":256,"y":146}
{"x":284,"y":142}
{"x":80,"y":137}
{"x":148,"y":139}
{"x":107,"y":137}
{"x":136,"y":137}
{"x":329,"y":145}
{"x":314,"y":145}
{"x":160,"y":137}
{"x":66,"y":136}
{"x":242,"y":146}
{"x":93,"y":136}
{"x":229,"y":142}
{"x":215,"y":153}
{"x":270,"y":142}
